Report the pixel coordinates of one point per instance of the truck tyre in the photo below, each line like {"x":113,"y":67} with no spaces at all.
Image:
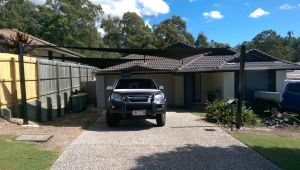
{"x":161,"y":119}
{"x":274,"y":108}
{"x":112,"y":121}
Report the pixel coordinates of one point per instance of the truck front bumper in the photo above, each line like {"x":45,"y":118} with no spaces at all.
{"x":125,"y":110}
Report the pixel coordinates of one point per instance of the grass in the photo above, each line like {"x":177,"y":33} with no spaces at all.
{"x":199,"y":113}
{"x":24,"y":155}
{"x":284,"y":152}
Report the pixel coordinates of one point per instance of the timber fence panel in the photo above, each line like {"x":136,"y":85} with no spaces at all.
{"x":75,"y":78}
{"x":48,"y":89}
{"x":48,"y":78}
{"x":83,"y":79}
{"x":6,"y":98}
{"x":10,"y":91}
{"x":46,"y":81}
{"x":65,"y":86}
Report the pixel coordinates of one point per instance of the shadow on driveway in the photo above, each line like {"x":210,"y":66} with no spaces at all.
{"x":199,"y":157}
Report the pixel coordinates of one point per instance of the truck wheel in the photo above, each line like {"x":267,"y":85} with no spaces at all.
{"x":274,"y":109}
{"x":111,"y":120}
{"x":161,"y":119}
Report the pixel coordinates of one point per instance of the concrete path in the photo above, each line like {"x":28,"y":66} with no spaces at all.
{"x":185,"y":142}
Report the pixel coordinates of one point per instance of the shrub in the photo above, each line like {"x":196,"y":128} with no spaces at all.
{"x":219,"y":112}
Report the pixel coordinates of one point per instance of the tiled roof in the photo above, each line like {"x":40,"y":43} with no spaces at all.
{"x":36,"y":41}
{"x":151,"y":63}
{"x":262,"y":64}
{"x":224,"y":61}
{"x":208,"y":62}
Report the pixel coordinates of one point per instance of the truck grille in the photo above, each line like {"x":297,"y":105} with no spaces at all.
{"x":138,"y":98}
{"x":138,"y":107}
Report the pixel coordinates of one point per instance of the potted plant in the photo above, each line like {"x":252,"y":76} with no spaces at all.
{"x":212,"y":94}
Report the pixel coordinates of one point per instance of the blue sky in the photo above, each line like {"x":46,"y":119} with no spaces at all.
{"x":225,"y":21}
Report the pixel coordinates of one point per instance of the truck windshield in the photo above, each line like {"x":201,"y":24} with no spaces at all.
{"x":135,"y":84}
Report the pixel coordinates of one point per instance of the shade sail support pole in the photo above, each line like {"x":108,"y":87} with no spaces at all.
{"x":22,"y":84}
{"x":241,"y":97}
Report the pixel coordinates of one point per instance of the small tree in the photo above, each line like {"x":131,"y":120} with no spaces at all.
{"x":13,"y":43}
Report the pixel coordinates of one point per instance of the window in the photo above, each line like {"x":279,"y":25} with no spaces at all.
{"x":294,"y":88}
{"x":136,"y":84}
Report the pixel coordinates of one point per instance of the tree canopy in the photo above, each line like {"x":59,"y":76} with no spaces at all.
{"x":172,"y":30}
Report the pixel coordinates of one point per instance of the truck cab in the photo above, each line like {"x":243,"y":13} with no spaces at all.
{"x":291,"y":97}
{"x":287,"y":100}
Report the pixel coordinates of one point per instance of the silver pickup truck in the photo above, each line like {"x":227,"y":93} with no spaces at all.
{"x":136,"y":98}
{"x":287,"y":100}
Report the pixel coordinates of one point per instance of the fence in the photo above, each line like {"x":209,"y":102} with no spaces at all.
{"x":49,"y":85}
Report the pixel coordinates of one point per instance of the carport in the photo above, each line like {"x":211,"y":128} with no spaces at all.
{"x":171,"y":53}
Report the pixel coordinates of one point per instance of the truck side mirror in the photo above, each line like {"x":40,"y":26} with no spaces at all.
{"x":161,"y":87}
{"x":109,"y":88}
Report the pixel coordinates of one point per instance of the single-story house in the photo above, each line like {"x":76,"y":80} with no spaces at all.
{"x":46,"y":51}
{"x":188,"y":80}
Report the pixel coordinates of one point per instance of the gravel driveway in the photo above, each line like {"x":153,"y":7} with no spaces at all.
{"x":185,"y":142}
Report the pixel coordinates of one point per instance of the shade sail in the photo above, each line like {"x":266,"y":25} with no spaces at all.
{"x":173,"y":53}
{"x":96,"y":62}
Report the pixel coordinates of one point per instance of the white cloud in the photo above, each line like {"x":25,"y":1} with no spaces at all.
{"x":192,"y":0}
{"x":216,"y":5}
{"x":286,"y":6}
{"x":101,"y":30}
{"x":185,"y":19}
{"x":213,"y":15}
{"x":247,"y":4}
{"x":39,"y":2}
{"x":258,"y":13}
{"x":119,"y":7}
{"x":154,"y":7}
{"x":298,"y":5}
{"x":147,"y":22}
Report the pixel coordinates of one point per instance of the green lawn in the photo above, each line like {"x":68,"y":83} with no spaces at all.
{"x":284,"y":152}
{"x":199,"y":113}
{"x":24,"y":155}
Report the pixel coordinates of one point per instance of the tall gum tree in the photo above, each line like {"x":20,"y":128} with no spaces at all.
{"x":172,"y":30}
{"x":201,"y":41}
{"x":18,"y":14}
{"x":128,"y":32}
{"x":135,"y":33}
{"x":71,"y":23}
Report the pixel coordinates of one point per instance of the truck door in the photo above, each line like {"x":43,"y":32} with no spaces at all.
{"x":291,"y":96}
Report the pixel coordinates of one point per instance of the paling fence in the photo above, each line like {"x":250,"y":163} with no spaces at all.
{"x":49,"y":86}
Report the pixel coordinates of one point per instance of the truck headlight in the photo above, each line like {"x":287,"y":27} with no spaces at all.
{"x":117,"y":97}
{"x":159,"y":97}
